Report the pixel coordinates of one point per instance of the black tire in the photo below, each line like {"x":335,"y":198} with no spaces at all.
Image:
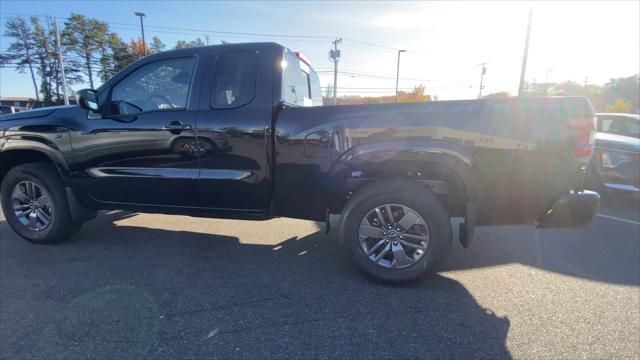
{"x":46,"y":176}
{"x":593,"y":181}
{"x":401,"y":192}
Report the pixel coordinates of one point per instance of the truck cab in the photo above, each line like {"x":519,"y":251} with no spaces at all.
{"x":190,"y":129}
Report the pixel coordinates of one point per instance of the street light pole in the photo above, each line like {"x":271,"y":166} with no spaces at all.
{"x":398,"y":72}
{"x":484,"y":71}
{"x":523,"y":70}
{"x":144,"y":44}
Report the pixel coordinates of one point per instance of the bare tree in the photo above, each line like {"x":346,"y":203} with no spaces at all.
{"x":45,"y":55}
{"x":21,"y":51}
{"x":85,"y":38}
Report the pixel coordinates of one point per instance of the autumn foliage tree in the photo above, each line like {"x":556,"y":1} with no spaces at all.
{"x":418,"y":94}
{"x":620,"y":106}
{"x":617,"y":95}
{"x":139,"y":48}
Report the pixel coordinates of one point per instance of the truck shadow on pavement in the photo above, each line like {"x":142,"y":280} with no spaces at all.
{"x":606,"y":250}
{"x":131,"y":292}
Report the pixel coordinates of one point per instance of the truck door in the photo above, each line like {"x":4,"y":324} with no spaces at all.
{"x":233,"y":131}
{"x":141,"y":150}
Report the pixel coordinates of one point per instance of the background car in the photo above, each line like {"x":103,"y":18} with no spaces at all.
{"x":616,"y":161}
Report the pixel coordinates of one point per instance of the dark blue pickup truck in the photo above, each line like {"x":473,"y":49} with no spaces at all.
{"x":616,"y":163}
{"x":238,"y":131}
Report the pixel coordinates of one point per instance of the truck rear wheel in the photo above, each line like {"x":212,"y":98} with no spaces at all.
{"x":395,"y":230}
{"x":34,"y":203}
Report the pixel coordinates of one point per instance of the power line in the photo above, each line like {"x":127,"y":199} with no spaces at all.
{"x":368,"y":88}
{"x":188,"y":31}
{"x":373,"y":75}
{"x":357,"y":71}
{"x":243,"y":35}
{"x":381,"y":47}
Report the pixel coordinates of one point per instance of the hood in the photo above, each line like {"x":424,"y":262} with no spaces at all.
{"x":35,"y":113}
{"x":617,"y":142}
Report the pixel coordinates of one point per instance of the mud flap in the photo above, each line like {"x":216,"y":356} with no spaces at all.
{"x":78,"y":212}
{"x":465,"y":229}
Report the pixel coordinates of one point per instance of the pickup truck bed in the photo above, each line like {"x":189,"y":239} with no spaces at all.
{"x":512,"y":158}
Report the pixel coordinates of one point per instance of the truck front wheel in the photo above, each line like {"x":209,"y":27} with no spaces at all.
{"x":34,"y":203}
{"x":395,"y":230}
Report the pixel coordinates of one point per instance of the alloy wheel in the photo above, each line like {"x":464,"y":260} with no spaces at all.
{"x":32,"y":205}
{"x":394,"y":236}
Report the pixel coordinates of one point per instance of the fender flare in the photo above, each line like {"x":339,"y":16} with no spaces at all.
{"x":37,"y":144}
{"x":369,"y":160}
{"x":79,"y":212}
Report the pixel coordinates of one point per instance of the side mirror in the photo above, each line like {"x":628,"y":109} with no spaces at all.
{"x":88,"y":99}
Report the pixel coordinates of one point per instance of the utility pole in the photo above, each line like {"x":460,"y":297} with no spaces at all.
{"x":398,"y":72}
{"x":524,"y":57}
{"x":207,"y":38}
{"x":484,"y":71}
{"x":61,"y":63}
{"x":334,"y":55}
{"x":144,"y":44}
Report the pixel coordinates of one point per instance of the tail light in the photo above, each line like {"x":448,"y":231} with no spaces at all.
{"x":303,"y":58}
{"x":584,"y":130}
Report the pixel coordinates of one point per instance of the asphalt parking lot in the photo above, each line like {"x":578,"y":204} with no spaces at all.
{"x":154,"y":286}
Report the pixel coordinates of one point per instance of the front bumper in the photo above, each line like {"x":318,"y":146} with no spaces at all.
{"x":571,"y":210}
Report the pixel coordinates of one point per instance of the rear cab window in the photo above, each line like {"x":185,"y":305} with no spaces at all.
{"x":300,"y":83}
{"x":234,"y":79}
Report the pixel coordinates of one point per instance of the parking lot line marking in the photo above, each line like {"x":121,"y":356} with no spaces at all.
{"x":619,"y":219}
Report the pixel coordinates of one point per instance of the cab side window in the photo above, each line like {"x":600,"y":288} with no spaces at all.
{"x":633,"y":128}
{"x":158,"y":86}
{"x":316,"y":95}
{"x":234,"y":79}
{"x":296,"y":81}
{"x":618,"y":127}
{"x":604,"y":124}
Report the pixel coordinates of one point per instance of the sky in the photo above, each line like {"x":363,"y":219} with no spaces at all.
{"x":590,"y":41}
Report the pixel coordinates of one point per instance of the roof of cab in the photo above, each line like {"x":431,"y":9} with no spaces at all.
{"x":191,"y":50}
{"x":235,"y":46}
{"x":626,"y":115}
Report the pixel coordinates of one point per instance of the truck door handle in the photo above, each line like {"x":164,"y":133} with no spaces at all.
{"x":176,"y":127}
